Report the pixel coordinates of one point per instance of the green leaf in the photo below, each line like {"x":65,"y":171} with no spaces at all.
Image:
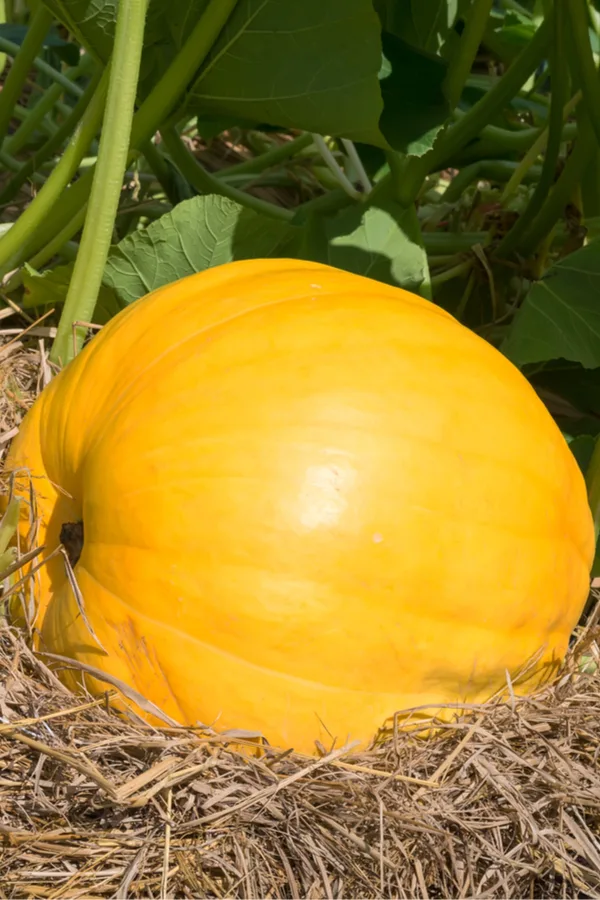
{"x":308,"y":65}
{"x":198,"y":234}
{"x":315,"y":66}
{"x":560,"y":316}
{"x":377,"y":242}
{"x":210,"y":231}
{"x":49,"y":288}
{"x":411,"y":81}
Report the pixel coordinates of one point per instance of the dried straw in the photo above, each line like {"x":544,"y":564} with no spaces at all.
{"x":503,"y":802}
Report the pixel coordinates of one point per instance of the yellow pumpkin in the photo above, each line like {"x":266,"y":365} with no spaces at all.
{"x":309,"y":500}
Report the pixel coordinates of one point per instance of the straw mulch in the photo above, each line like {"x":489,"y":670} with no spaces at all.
{"x":504,"y":802}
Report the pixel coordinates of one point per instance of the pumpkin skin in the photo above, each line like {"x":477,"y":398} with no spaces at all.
{"x":310,"y":500}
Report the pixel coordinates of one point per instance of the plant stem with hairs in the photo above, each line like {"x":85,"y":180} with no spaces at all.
{"x":108,"y":179}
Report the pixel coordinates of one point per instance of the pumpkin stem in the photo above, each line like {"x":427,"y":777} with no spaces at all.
{"x":71,"y":537}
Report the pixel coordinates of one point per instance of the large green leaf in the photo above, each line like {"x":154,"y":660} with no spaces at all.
{"x":560,"y":317}
{"x":313,"y":65}
{"x":379,"y":242}
{"x":198,"y":234}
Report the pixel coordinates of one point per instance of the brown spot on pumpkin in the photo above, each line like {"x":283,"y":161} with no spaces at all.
{"x":71,"y":537}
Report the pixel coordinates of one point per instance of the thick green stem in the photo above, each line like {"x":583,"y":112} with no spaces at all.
{"x":45,"y":104}
{"x":536,"y":149}
{"x":438,"y":243}
{"x":583,"y":58}
{"x":278,"y":178}
{"x":108,"y":178}
{"x":491,"y":145}
{"x":560,"y":92}
{"x":464,"y":55}
{"x":518,"y":139}
{"x":41,"y":217}
{"x":554,"y":205}
{"x":446,"y":275}
{"x":23,"y":58}
{"x":152,"y":113}
{"x":469,"y":126}
{"x":272,"y":157}
{"x":205,"y":183}
{"x":491,"y":169}
{"x":54,"y":143}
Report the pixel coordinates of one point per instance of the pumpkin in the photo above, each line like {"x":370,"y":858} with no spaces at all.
{"x":308,"y":500}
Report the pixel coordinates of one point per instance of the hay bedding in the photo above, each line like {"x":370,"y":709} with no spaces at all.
{"x":504,"y":802}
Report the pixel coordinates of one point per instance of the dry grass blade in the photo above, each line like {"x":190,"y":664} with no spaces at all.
{"x":166,"y":854}
{"x":368,"y":770}
{"x":125,"y":689}
{"x":79,"y":598}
